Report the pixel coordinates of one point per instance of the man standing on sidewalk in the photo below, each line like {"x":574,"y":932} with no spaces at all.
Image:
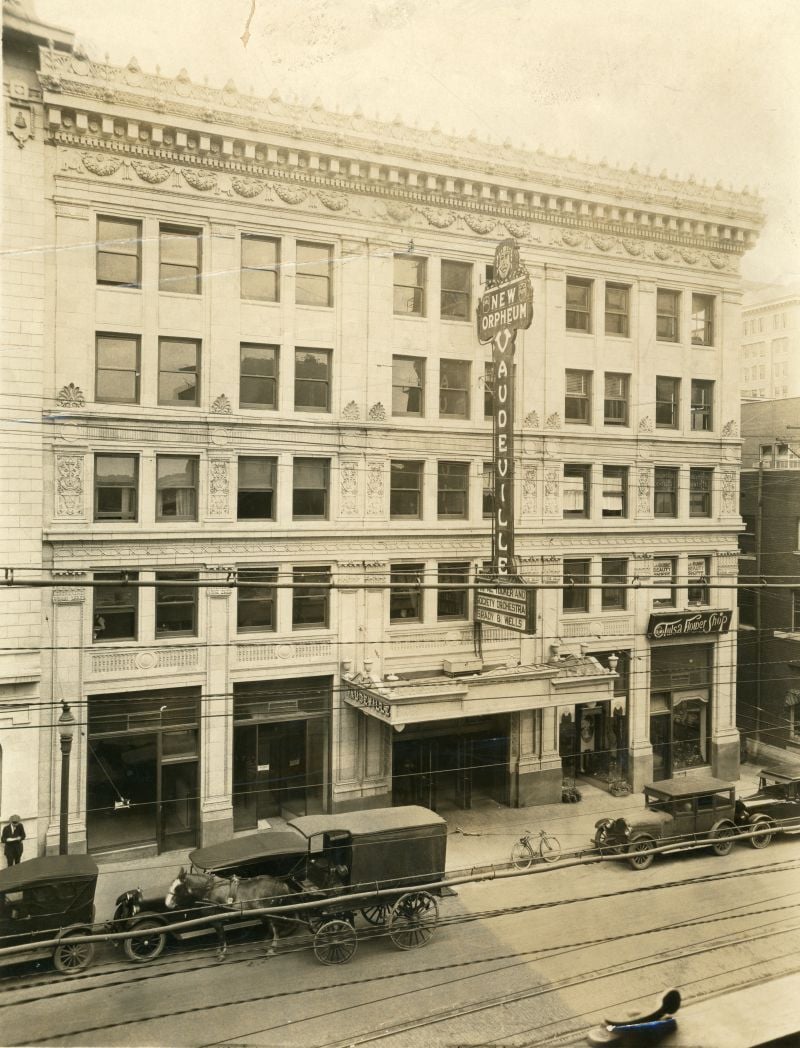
{"x":12,"y":837}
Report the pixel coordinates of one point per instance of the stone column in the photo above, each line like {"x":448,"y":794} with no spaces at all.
{"x":216,"y":722}
{"x":725,"y":735}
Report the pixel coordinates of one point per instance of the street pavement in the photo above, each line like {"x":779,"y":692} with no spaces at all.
{"x":481,"y":836}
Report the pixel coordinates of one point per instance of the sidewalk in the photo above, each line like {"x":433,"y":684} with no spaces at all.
{"x":478,"y":837}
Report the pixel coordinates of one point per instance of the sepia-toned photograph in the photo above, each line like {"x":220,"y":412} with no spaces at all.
{"x":400,"y":524}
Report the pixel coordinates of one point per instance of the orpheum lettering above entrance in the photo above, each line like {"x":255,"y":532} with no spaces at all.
{"x":688,"y":624}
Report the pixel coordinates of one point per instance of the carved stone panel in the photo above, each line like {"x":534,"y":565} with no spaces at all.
{"x":375,"y":496}
{"x":69,"y":485}
{"x":218,"y":488}
{"x":729,"y":500}
{"x":350,"y":488}
{"x":529,"y":490}
{"x":643,"y":492}
{"x":552,"y":491}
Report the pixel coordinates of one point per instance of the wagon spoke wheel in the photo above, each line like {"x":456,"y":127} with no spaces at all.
{"x":148,"y":943}
{"x":335,"y":942}
{"x":764,"y":836}
{"x":723,"y":840}
{"x":639,"y":854}
{"x":522,"y":855}
{"x":377,"y":914}
{"x":412,"y":920}
{"x":70,"y":957}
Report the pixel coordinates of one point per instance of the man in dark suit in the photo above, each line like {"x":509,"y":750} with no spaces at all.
{"x":12,"y":837}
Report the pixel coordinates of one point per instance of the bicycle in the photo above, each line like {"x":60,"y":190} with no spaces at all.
{"x":547,"y":846}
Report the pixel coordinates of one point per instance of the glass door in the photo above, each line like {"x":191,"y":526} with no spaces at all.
{"x":660,"y":732}
{"x":122,"y":792}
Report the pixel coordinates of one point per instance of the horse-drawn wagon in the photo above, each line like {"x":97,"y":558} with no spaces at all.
{"x":320,"y":872}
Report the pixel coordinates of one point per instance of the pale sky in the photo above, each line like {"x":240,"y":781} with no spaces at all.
{"x":703,"y":87}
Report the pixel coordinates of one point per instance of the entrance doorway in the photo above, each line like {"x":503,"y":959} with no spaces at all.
{"x":453,"y":765}
{"x":269,"y":772}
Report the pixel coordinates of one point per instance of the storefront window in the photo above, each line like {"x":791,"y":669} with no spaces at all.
{"x":680,"y":705}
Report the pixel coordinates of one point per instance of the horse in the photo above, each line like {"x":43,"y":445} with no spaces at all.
{"x":243,"y":893}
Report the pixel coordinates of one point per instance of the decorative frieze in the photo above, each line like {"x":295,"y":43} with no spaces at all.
{"x":247,"y":654}
{"x":123,"y":663}
{"x":728,"y":564}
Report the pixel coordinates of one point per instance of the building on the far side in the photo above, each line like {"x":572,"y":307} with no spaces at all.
{"x":770,"y":361}
{"x":768,"y":679}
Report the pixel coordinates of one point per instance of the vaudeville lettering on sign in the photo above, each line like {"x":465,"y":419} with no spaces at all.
{"x":688,"y":624}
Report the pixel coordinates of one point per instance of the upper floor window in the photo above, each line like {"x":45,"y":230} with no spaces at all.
{"x":665,"y":491}
{"x":578,"y":396}
{"x":255,"y":496}
{"x":116,"y":482}
{"x":615,"y":491}
{"x":260,"y":270}
{"x":575,"y":595}
{"x":487,"y":500}
{"x":615,"y":399}
{"x":453,"y":490}
{"x":579,"y":305}
{"x":176,"y":487}
{"x":256,"y":599}
{"x":405,"y":593}
{"x":312,"y":380}
{"x":615,"y":576}
{"x":176,"y":603}
{"x":258,"y":376}
{"x":310,"y":489}
{"x":409,"y":285}
{"x":668,"y":315}
{"x":313,"y":281}
{"x":702,"y":405}
{"x":116,"y":606}
{"x":311,"y":590}
{"x":178,"y":371}
{"x":577,"y":488}
{"x":408,"y":386}
{"x":405,"y":499}
{"x":179,"y":268}
{"x":117,"y":369}
{"x":617,"y":310}
{"x":456,"y":291}
{"x":700,"y":482}
{"x":664,"y":582}
{"x":119,"y":251}
{"x":699,"y":570}
{"x":452,"y":596}
{"x":454,"y":383}
{"x":702,"y":320}
{"x":668,"y":392}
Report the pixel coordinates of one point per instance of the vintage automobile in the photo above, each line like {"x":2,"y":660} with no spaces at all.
{"x":390,"y":854}
{"x":677,"y":814}
{"x":45,"y":899}
{"x":774,"y":808}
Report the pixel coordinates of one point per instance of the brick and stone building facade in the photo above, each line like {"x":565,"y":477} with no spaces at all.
{"x":770,"y":358}
{"x":260,"y":365}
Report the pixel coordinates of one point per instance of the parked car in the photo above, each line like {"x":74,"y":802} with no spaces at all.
{"x":45,"y":899}
{"x":677,"y":813}
{"x":774,"y":807}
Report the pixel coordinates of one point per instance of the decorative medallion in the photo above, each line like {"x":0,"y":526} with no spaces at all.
{"x":149,"y":172}
{"x":717,"y":261}
{"x":520,"y":230}
{"x":633,"y":247}
{"x":603,"y":243}
{"x":377,"y":413}
{"x":690,"y":256}
{"x":572,"y":239}
{"x":247,"y":187}
{"x":662,"y":252}
{"x":291,"y":194}
{"x":202,"y":180}
{"x":730,"y":429}
{"x":480,"y":224}
{"x":101,"y":165}
{"x":71,"y":396}
{"x":553,"y":421}
{"x":20,"y":123}
{"x":646,"y":424}
{"x":145,"y":660}
{"x":351,"y":412}
{"x":221,"y":406}
{"x":333,"y":201}
{"x":531,"y":420}
{"x":437,"y":218}
{"x":397,"y":212}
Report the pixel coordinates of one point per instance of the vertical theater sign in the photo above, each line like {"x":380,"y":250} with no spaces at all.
{"x":505,"y":308}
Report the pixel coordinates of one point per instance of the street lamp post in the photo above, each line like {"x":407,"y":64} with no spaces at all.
{"x":66,"y":729}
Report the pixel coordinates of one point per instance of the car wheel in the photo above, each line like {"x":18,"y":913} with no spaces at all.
{"x":761,"y":840}
{"x":639,"y":854}
{"x":148,"y":943}
{"x":723,"y":840}
{"x":71,"y":957}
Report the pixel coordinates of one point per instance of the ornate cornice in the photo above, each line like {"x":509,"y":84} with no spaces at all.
{"x":251,"y":130}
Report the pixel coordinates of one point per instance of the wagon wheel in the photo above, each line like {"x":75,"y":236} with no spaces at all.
{"x":378,"y":914}
{"x":70,"y":957}
{"x":335,"y":942}
{"x":148,"y":943}
{"x":412,"y":920}
{"x":723,"y":840}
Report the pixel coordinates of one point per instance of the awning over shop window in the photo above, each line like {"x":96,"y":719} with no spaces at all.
{"x":792,"y":697}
